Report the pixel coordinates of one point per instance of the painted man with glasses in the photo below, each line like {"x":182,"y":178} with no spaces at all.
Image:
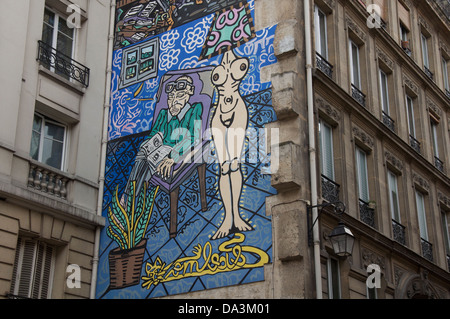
{"x":178,"y":128}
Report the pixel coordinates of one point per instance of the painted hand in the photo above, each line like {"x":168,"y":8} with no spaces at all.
{"x":164,"y":168}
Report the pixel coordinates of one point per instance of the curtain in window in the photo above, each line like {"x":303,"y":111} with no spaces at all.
{"x":361,"y":167}
{"x":420,"y":204}
{"x":326,"y":150}
{"x":393,"y":196}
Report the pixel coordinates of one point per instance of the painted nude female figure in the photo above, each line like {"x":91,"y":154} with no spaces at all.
{"x":228,"y":127}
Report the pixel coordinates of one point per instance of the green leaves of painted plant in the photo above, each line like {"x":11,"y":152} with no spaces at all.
{"x":129,"y":224}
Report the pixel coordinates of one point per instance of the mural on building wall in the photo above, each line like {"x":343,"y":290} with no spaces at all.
{"x":187,"y":167}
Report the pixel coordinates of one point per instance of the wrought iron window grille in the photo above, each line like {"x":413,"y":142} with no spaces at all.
{"x":388,"y":121}
{"x":367,"y":214}
{"x":427,"y":249}
{"x":359,"y":96}
{"x":62,"y":64}
{"x":415,"y":144}
{"x":324,"y":66}
{"x":439,"y":164}
{"x":428,"y":73}
{"x":399,"y":232}
{"x":330,"y":190}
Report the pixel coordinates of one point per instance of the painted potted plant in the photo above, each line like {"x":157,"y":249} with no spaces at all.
{"x":127,"y":227}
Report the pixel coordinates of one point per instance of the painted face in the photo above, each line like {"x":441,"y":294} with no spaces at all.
{"x":178,"y":94}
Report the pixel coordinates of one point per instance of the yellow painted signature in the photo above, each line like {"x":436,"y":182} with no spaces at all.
{"x":230,"y":257}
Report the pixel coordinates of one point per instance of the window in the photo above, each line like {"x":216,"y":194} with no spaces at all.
{"x":334,"y":280}
{"x":362,"y":175}
{"x":445,"y":230}
{"x":33,"y":269}
{"x":139,"y":63}
{"x":57,"y":35}
{"x":434,"y":137}
{"x":410,"y":111}
{"x":372,"y":293}
{"x":321,"y":33}
{"x":445,"y":75}
{"x":393,"y":197}
{"x":405,"y":25}
{"x":425,"y":56}
{"x":48,"y":141}
{"x":354,"y":65}
{"x":420,"y":205}
{"x":384,"y":91}
{"x":326,"y":150}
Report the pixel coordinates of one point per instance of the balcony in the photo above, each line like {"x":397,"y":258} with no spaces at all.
{"x":359,"y":96}
{"x":439,"y":164}
{"x":399,"y":232}
{"x":415,"y":144}
{"x":388,"y":121}
{"x":427,"y":249}
{"x":330,"y":190}
{"x":47,"y":180}
{"x":447,"y":92}
{"x":62,"y":65}
{"x":428,"y":73}
{"x":324,"y":66}
{"x":367,"y":214}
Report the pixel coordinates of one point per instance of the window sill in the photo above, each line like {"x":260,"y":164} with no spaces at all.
{"x":77,"y":88}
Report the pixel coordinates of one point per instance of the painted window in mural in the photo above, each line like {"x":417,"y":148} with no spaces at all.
{"x":187,"y":162}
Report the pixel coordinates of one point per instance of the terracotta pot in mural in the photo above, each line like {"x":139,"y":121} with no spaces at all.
{"x":125,"y":266}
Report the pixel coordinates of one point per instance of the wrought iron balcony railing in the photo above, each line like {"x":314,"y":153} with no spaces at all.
{"x":415,"y":144}
{"x":389,"y":122}
{"x":324,"y":66}
{"x":359,"y":96}
{"x":427,"y":249}
{"x":62,"y":64}
{"x":439,"y":164}
{"x":330,"y":190}
{"x":367,"y":214}
{"x":447,"y":92}
{"x":399,"y":232}
{"x":428,"y":72}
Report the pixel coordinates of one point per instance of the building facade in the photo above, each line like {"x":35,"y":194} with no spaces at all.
{"x":237,"y":135}
{"x":51,"y":133}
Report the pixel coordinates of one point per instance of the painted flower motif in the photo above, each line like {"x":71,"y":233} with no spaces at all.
{"x":169,"y":39}
{"x":169,"y":59}
{"x":194,"y":38}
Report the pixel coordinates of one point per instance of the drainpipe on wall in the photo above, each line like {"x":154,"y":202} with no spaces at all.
{"x":106,"y":107}
{"x":312,"y":147}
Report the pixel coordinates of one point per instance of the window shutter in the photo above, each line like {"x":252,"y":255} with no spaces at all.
{"x":33,"y":269}
{"x":25,"y":268}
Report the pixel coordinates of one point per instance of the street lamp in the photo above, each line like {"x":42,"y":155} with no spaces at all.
{"x":342,"y":240}
{"x":341,"y":237}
